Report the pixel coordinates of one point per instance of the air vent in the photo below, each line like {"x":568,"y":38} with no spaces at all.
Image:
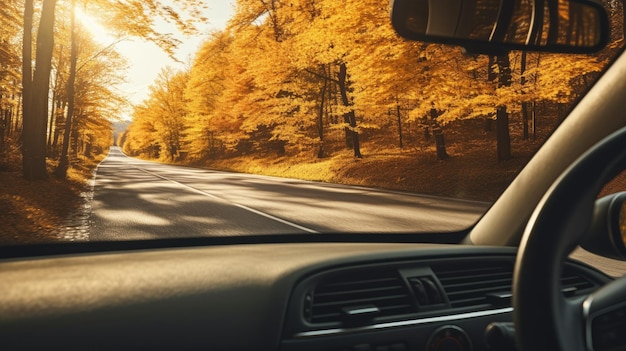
{"x":487,"y":284}
{"x":378,"y":293}
{"x":574,"y":283}
{"x":476,"y":284}
{"x":426,"y":291}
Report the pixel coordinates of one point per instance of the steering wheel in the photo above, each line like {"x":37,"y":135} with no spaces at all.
{"x":544,"y":318}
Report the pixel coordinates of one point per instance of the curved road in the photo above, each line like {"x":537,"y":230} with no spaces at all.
{"x":135,"y":199}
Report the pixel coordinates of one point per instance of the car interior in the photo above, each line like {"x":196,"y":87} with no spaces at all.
{"x":509,"y":282}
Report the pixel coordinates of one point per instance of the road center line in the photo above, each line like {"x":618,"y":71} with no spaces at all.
{"x":243,"y":207}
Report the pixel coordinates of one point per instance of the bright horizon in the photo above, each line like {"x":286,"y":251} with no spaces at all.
{"x":146,"y":60}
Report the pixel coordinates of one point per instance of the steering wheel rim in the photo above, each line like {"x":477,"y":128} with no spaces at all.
{"x":544,"y":318}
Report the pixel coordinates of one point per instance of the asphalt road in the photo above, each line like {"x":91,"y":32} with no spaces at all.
{"x":135,"y":199}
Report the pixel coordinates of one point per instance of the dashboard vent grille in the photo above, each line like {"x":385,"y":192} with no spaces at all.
{"x":477,"y":284}
{"x":489,"y":283}
{"x":574,"y":283}
{"x":383,"y":290}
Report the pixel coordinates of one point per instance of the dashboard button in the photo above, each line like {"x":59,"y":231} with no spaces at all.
{"x":449,"y":338}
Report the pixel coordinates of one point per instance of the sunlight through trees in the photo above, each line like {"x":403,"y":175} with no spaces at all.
{"x":316,"y":77}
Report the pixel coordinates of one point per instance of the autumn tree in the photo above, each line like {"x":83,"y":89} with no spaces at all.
{"x":99,"y":70}
{"x":285,"y":76}
{"x":204,"y":89}
{"x":140,"y":138}
{"x":132,"y":17}
{"x":10,"y":72}
{"x":161,"y":117}
{"x":326,"y":37}
{"x":61,"y":170}
{"x":35,"y":89}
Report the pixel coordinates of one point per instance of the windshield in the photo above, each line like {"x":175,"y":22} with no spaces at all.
{"x":170,"y":119}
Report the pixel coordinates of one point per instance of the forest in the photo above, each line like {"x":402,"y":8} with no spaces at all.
{"x":59,"y":86}
{"x":299,"y":80}
{"x":320,"y":77}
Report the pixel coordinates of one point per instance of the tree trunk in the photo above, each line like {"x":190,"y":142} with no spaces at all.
{"x":56,"y":102}
{"x":17,"y":121}
{"x":526,"y":110}
{"x":400,"y":141}
{"x":27,"y":81}
{"x":502,"y":115}
{"x":61,"y":171}
{"x":533,"y":120}
{"x":491,"y":76}
{"x":27,"y":57}
{"x":35,"y":120}
{"x":9,"y":120}
{"x":504,"y":139}
{"x":349,"y":117}
{"x":59,"y":126}
{"x":320,"y":116}
{"x":440,"y":143}
{"x":525,"y":105}
{"x":4,"y":122}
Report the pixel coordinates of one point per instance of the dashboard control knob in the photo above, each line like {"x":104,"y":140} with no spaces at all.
{"x":449,"y":338}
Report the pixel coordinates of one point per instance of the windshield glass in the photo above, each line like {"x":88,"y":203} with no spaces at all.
{"x":123,"y":120}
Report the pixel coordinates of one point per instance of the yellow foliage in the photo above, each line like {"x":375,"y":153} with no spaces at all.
{"x":273,"y":76}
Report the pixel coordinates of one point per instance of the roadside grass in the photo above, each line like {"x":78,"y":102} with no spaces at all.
{"x":471,"y":172}
{"x":278,"y":167}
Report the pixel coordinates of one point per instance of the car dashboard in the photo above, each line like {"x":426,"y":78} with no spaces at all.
{"x":298,"y":296}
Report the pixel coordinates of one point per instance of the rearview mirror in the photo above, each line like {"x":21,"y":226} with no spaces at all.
{"x":576,"y":26}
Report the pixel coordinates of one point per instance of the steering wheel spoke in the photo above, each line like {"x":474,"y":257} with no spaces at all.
{"x":545,"y":320}
{"x":604,"y":313}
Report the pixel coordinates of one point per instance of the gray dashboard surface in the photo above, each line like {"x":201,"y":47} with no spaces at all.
{"x":219,"y":297}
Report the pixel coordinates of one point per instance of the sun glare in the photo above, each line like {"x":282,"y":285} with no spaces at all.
{"x":99,"y":32}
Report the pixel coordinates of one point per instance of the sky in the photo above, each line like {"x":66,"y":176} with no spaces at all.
{"x":146,"y":60}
